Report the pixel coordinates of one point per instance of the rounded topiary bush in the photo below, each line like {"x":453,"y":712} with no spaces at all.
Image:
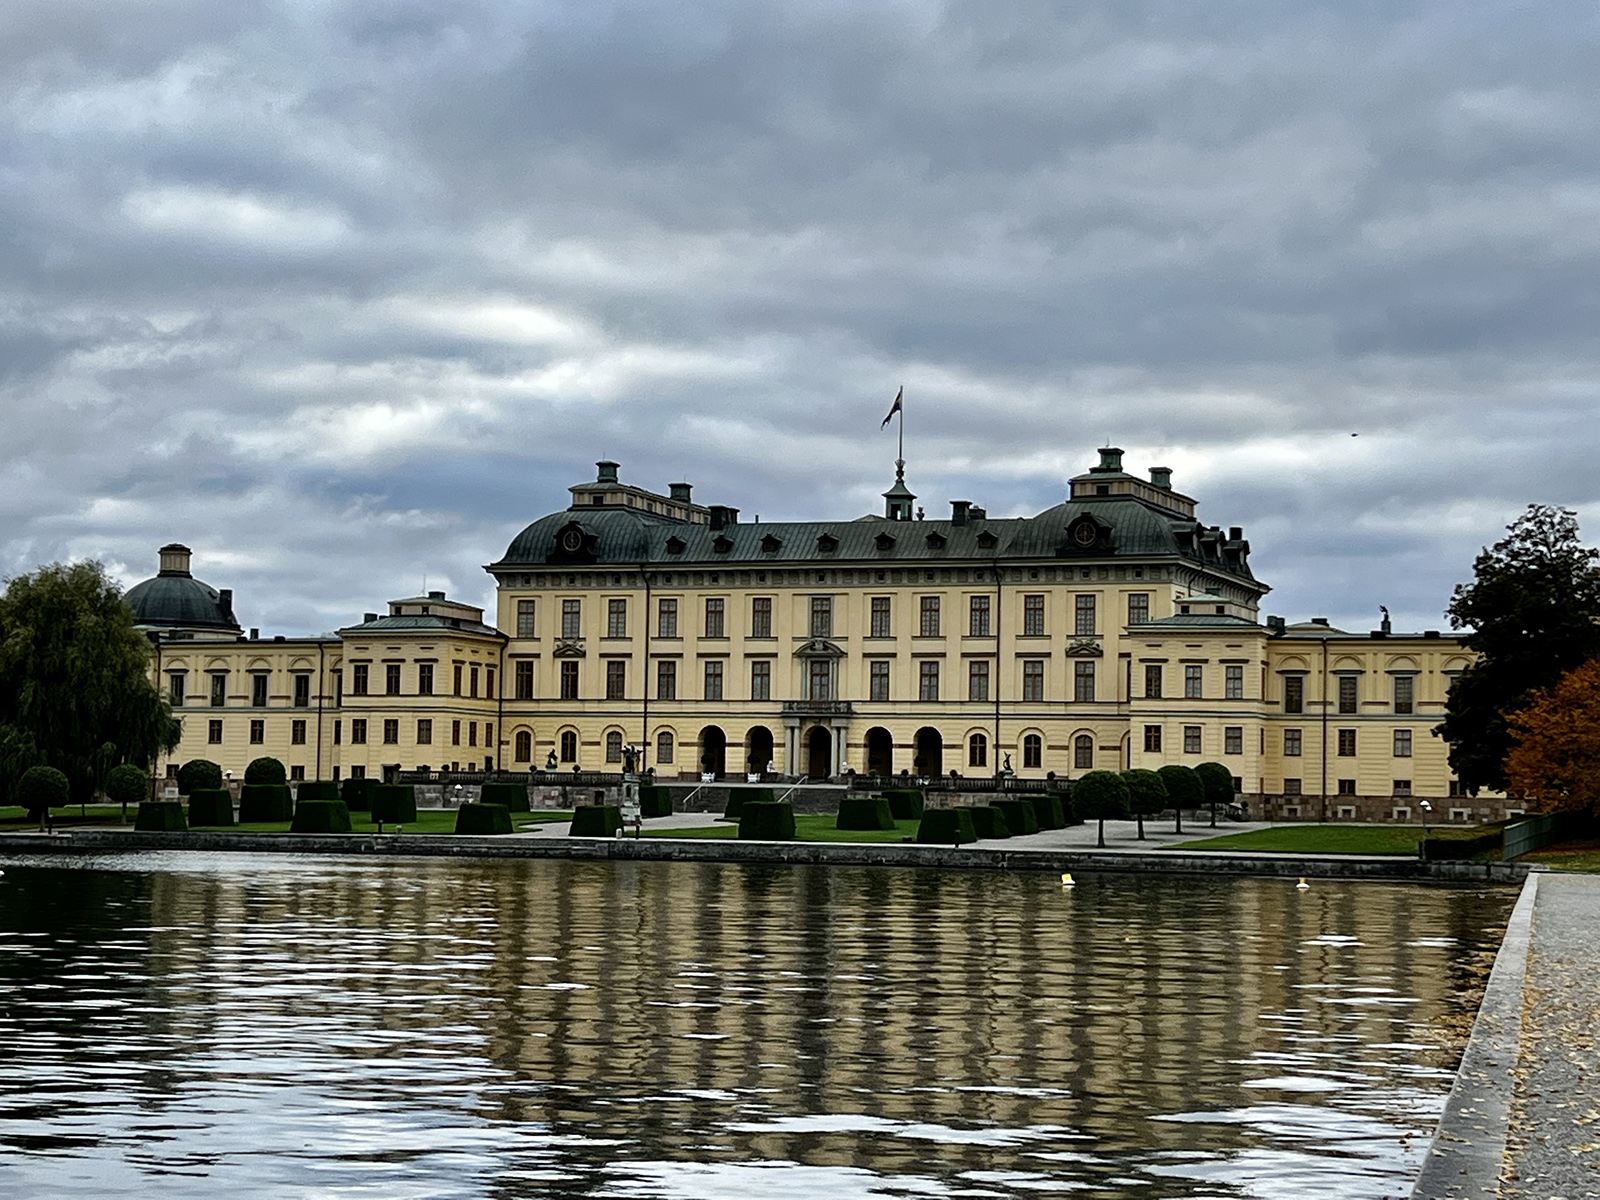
{"x":514,"y":796}
{"x":394,"y":803}
{"x":484,"y":818}
{"x":767,"y":820}
{"x":989,"y":821}
{"x":1101,"y":796}
{"x":740,"y":796}
{"x":264,"y":803}
{"x":905,"y":803}
{"x":320,"y":816}
{"x":1019,"y":814}
{"x":1147,"y":794}
{"x":127,"y":784}
{"x":864,"y":812}
{"x":41,"y":789}
{"x":595,"y":820}
{"x":357,"y":794}
{"x":946,"y":827}
{"x":1184,"y":790}
{"x":655,"y":801}
{"x":210,"y":806}
{"x":316,"y":789}
{"x":161,"y":816}
{"x":198,"y":773}
{"x":264,"y":770}
{"x":1216,"y":785}
{"x":1048,"y":811}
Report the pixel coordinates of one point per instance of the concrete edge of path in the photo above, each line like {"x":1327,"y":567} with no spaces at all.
{"x":1467,"y":1156}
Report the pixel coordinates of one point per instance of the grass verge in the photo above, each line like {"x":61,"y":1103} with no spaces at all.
{"x":1317,"y":839}
{"x":1583,"y":856}
{"x":808,"y":827}
{"x":429,"y":820}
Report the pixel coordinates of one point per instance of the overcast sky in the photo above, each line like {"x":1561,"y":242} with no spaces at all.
{"x":344,"y":295}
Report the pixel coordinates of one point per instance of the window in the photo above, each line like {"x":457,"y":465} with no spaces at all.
{"x":1347,"y":787}
{"x":1456,"y":789}
{"x":1193,"y":681}
{"x":219,"y":690}
{"x":1032,"y":752}
{"x":667,"y":679}
{"x":1294,"y":693}
{"x":713,"y":674}
{"x":455,"y":733}
{"x":297,"y":774}
{"x":424,"y":731}
{"x":978,"y":679}
{"x":523,"y":746}
{"x":1138,"y":608}
{"x":821,"y":616}
{"x":1405,"y":693}
{"x":663,"y":748}
{"x":761,"y":680}
{"x":667,"y":617}
{"x":571,"y":618}
{"x":978,"y":617}
{"x":258,"y":687}
{"x":1033,"y":616}
{"x":617,"y":618}
{"x":1233,"y":739}
{"x":616,"y":679}
{"x":569,"y":746}
{"x":1233,"y":683}
{"x":569,"y":680}
{"x":472,"y":733}
{"x":338,"y":687}
{"x":1402,"y":743}
{"x":1083,"y":752}
{"x":1347,"y":743}
{"x":821,"y":679}
{"x":878,"y":681}
{"x":1152,"y":681}
{"x":1291,"y":787}
{"x":977,"y":751}
{"x":1083,"y":682}
{"x":928,"y":625}
{"x":456,"y":679}
{"x":714,"y":618}
{"x":488,"y":743}
{"x":928,"y":680}
{"x":175,"y":688}
{"x":297,"y":733}
{"x":424,"y":679}
{"x":1033,"y":679}
{"x":358,"y":684}
{"x":525,"y":626}
{"x":761,"y":617}
{"x":1152,"y":739}
{"x":1191,"y":739}
{"x":214,"y":733}
{"x":1402,"y":787}
{"x":880,"y":617}
{"x":614,"y":746}
{"x":1347,"y":693}
{"x":524,"y":679}
{"x":472,"y":675}
{"x":1083,"y":615}
{"x":391,"y":679}
{"x":1291,"y":743}
{"x":358,"y":732}
{"x":391,"y":731}
{"x":338,"y":730}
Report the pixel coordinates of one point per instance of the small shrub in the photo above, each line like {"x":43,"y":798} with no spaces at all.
{"x":1019,"y":814}
{"x":259,"y":802}
{"x":767,"y":820}
{"x":989,"y":821}
{"x":947,"y":827}
{"x":320,"y":816}
{"x":1216,"y":785}
{"x":394,"y":803}
{"x":655,"y":801}
{"x":1101,"y":796}
{"x":198,"y":773}
{"x":740,"y":796}
{"x":595,"y":820}
{"x":265,"y":770}
{"x":316,"y":789}
{"x":357,"y":794}
{"x":905,"y":803}
{"x":1068,"y":815}
{"x":1048,"y":810}
{"x":485,"y":818}
{"x":42,"y":788}
{"x":127,"y":784}
{"x":210,"y":806}
{"x":864,"y":812}
{"x":161,"y":816}
{"x":512,"y":796}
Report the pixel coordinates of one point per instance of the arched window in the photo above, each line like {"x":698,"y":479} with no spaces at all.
{"x":569,"y":746}
{"x":524,"y":746}
{"x":614,"y":746}
{"x":663,"y":747}
{"x":977,"y":751}
{"x":1032,"y":752}
{"x":1083,"y":752}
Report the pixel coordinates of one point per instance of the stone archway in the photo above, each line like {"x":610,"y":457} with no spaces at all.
{"x":819,"y":752}
{"x":713,"y":750}
{"x":758,"y":748}
{"x":880,"y":751}
{"x":928,"y":759}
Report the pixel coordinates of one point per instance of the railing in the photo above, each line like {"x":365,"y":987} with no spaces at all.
{"x":817,"y":708}
{"x":1535,"y":834}
{"x":597,"y":779}
{"x":960,"y":783}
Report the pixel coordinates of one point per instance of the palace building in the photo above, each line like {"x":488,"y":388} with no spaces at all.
{"x":1113,"y":630}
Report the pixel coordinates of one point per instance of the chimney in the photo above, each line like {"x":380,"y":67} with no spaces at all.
{"x":1236,"y":533}
{"x":958,"y":511}
{"x":1161,"y":477}
{"x":175,"y":559}
{"x":255,"y":634}
{"x":1319,"y":620}
{"x":608,"y":472}
{"x":679,"y":491}
{"x":225,"y":602}
{"x":977,"y":514}
{"x":722,"y":516}
{"x":368,"y":618}
{"x":1110,"y":461}
{"x":1275,"y":626}
{"x":435,"y":595}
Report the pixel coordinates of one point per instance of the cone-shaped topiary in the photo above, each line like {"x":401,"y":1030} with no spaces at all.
{"x":767,"y":820}
{"x":210,"y":806}
{"x":1019,"y":814}
{"x":655,"y":800}
{"x":905,"y":803}
{"x":595,"y":820}
{"x":357,"y":794}
{"x":989,"y":821}
{"x":320,"y":816}
{"x":514,"y":796}
{"x":161,"y":816}
{"x":265,"y":770}
{"x":484,"y":818}
{"x":265,"y":802}
{"x":740,"y":796}
{"x":947,"y":827}
{"x":198,"y":773}
{"x":864,"y":812}
{"x":394,"y":803}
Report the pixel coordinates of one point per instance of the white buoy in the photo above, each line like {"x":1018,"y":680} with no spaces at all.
{"x":1066,"y":880}
{"x":1302,"y":886}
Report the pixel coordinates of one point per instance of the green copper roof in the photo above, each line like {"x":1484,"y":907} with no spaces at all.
{"x":179,"y":601}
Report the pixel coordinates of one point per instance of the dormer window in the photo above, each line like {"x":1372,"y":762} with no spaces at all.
{"x":771,"y":545}
{"x":885,"y":541}
{"x":722,"y":545}
{"x":936,"y":541}
{"x":675,"y":545}
{"x":987,"y":540}
{"x":827,"y":543}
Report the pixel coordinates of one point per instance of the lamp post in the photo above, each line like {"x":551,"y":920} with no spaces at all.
{"x":1422,"y":846}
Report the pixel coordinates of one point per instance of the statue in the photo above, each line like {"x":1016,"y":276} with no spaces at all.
{"x":550,"y":761}
{"x":630,"y":760}
{"x":1008,"y":765}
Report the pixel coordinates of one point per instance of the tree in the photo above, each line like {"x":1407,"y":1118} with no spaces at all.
{"x":1216,"y":782}
{"x":40,"y":789}
{"x":1147,"y":795}
{"x":1532,"y":610}
{"x":127,"y":784}
{"x":198,"y":773}
{"x":74,"y":677}
{"x":263,"y":770}
{"x":1184,"y":790}
{"x":1101,"y":796}
{"x":1554,"y":763}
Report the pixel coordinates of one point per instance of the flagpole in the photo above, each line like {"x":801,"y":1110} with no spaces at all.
{"x":900,"y":460}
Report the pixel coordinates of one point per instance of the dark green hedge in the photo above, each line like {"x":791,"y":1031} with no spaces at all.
{"x":865,"y":812}
{"x":946,"y":827}
{"x":1049,"y":811}
{"x":394,"y":803}
{"x":513,"y":797}
{"x":1019,"y":814}
{"x":485,"y":818}
{"x":905,"y":803}
{"x":655,"y":800}
{"x":1445,"y":848}
{"x":357,"y":794}
{"x":265,"y":802}
{"x":320,"y":816}
{"x":767,"y":820}
{"x":265,"y":770}
{"x":210,"y":806}
{"x":740,"y":796}
{"x":595,"y":820}
{"x":198,"y":773}
{"x":989,"y":821}
{"x":316,"y":789}
{"x":161,"y":816}
{"x":1068,"y":816}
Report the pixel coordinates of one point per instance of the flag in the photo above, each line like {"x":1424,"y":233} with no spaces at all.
{"x":894,"y":408}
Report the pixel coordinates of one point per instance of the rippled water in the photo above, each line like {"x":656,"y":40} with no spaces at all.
{"x":249,"y":1025}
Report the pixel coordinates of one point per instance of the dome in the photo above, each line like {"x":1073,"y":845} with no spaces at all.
{"x":611,"y":535}
{"x":175,"y":599}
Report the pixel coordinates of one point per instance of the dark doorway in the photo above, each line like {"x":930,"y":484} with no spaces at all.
{"x":758,"y":748}
{"x":713,"y":750}
{"x":929,"y":760}
{"x":880,"y":751}
{"x":819,"y":744}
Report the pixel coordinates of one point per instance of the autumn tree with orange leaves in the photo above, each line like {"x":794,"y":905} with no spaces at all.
{"x":1554,"y":762}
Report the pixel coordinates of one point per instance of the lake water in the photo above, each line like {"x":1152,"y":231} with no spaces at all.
{"x":191,"y":1025}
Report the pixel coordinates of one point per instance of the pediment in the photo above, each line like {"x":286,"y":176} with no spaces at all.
{"x":819,"y":648}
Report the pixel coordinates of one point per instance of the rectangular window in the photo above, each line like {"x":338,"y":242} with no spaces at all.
{"x":338,"y":732}
{"x":716,"y":625}
{"x":297,"y":774}
{"x":880,"y":617}
{"x":1291,"y":743}
{"x":1233,"y":739}
{"x":455,"y":679}
{"x":569,"y":680}
{"x":667,"y":679}
{"x":978,"y":617}
{"x":1083,"y":752}
{"x":302,"y":690}
{"x":472,"y":678}
{"x":978,"y":751}
{"x":525,"y":625}
{"x":928,"y":680}
{"x":572,"y":618}
{"x":1291,"y":787}
{"x":472,"y":733}
{"x":424,"y":679}
{"x":425,"y":731}
{"x":391,"y":679}
{"x":1347,"y":787}
{"x":1191,"y":739}
{"x":524,"y":679}
{"x":1402,"y":787}
{"x":713,"y":675}
{"x":1152,"y":681}
{"x":978,"y":679}
{"x":1033,"y":680}
{"x":297,"y":733}
{"x":1138,"y":608}
{"x":258,"y":689}
{"x":1033,"y":616}
{"x":1152,"y":739}
{"x":1405,"y":693}
{"x":761,"y":680}
{"x":391,"y":731}
{"x":455,"y":733}
{"x":175,"y":689}
{"x":616,"y":679}
{"x":1233,"y":683}
{"x":358,"y":732}
{"x":214,"y":733}
{"x":761,"y":617}
{"x":488,"y":744}
{"x":219,"y":690}
{"x":258,"y":732}
{"x":617,"y":618}
{"x":1347,"y":743}
{"x":821,"y":679}
{"x":1083,"y":615}
{"x":1347,"y":693}
{"x":1032,"y":752}
{"x":821,"y":616}
{"x":928,"y":625}
{"x":1402,"y":743}
{"x":667,"y":617}
{"x":878,"y":683}
{"x":1193,"y":677}
{"x":358,"y":683}
{"x":1083,"y":682}
{"x":1294,"y":693}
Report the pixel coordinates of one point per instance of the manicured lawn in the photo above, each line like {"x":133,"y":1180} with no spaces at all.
{"x":808,"y":827}
{"x":1317,"y":839}
{"x":14,"y":818}
{"x":1568,"y":856}
{"x":429,"y":820}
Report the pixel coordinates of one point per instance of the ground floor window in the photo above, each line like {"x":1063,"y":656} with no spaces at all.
{"x":1083,"y":752}
{"x":1032,"y":752}
{"x":977,"y":751}
{"x":663,"y":747}
{"x":524,"y":746}
{"x":569,"y":746}
{"x":613,"y":747}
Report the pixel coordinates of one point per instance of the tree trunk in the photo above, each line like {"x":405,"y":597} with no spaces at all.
{"x":1102,"y":834}
{"x":1177,"y":811}
{"x":1140,"y":819}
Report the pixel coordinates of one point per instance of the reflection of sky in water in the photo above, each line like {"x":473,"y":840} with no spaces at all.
{"x":193,"y":1025}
